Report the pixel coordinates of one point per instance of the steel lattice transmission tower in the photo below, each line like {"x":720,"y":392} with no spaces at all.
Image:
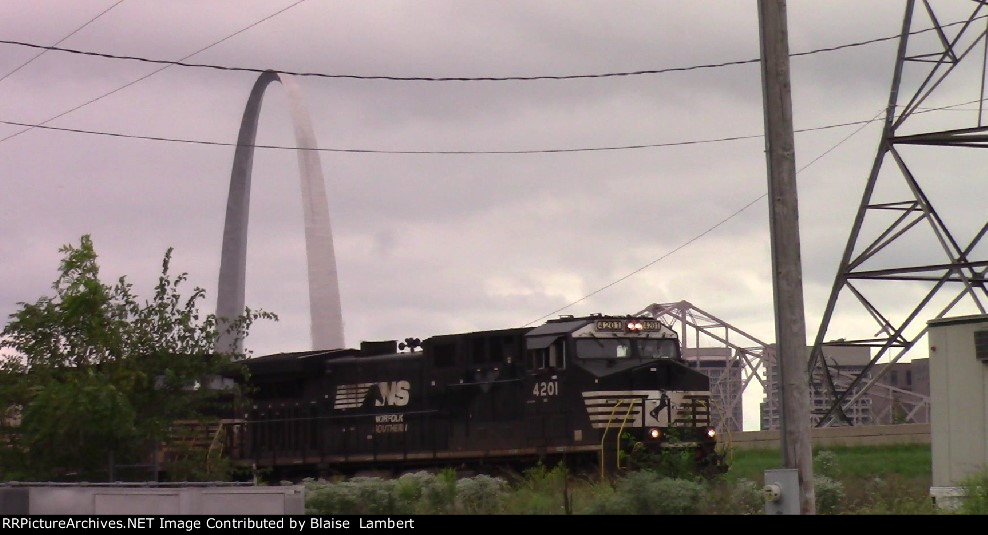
{"x":913,"y":255}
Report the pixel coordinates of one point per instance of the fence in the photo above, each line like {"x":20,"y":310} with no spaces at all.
{"x":859,"y":435}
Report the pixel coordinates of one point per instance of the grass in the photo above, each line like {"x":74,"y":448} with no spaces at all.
{"x":892,"y":479}
{"x":751,"y":464}
{"x":906,"y":461}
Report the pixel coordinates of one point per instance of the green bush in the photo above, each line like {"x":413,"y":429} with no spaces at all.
{"x":481,"y":494}
{"x":739,"y":497}
{"x":540,"y":491}
{"x":892,"y":487}
{"x":825,"y":464}
{"x":676,"y":463}
{"x":647,"y":492}
{"x":414,"y":493}
{"x":829,"y":495}
{"x":592,"y":497}
{"x":326,"y":498}
{"x":975,"y":500}
{"x":439,"y":496}
{"x":890,"y":495}
{"x":360,"y":495}
{"x":410,"y":491}
{"x":375,"y":495}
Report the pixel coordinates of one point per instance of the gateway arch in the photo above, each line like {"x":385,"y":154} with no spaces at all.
{"x":324,"y":291}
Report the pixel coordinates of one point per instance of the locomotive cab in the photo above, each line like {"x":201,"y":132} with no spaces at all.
{"x":633,"y":383}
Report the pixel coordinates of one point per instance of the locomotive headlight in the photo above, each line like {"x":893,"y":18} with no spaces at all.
{"x":634,"y":326}
{"x":654,"y":433}
{"x":711,"y":432}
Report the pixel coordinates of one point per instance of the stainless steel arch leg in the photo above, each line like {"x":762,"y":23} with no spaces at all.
{"x":324,"y":293}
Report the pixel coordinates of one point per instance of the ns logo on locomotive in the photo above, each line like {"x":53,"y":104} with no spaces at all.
{"x":566,"y":389}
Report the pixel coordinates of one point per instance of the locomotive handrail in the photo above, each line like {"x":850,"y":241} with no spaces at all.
{"x":332,"y":417}
{"x":603,"y":436}
{"x":215,"y":442}
{"x":624,"y":422}
{"x":515,"y":380}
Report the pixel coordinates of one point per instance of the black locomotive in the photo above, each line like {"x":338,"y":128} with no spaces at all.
{"x":580,"y":388}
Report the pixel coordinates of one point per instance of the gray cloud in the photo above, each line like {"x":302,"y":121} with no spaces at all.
{"x":435,"y":244}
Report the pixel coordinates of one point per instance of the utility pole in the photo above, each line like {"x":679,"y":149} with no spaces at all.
{"x":787,"y":277}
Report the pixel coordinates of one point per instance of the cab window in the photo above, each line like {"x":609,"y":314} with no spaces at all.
{"x":652,"y":348}
{"x":553,"y":356}
{"x":603,"y":348}
{"x":557,"y":355}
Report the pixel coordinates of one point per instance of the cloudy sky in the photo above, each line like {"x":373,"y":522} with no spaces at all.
{"x":432,"y":244}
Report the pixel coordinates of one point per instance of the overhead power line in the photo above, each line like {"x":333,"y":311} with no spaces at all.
{"x":710,"y":229}
{"x":182,"y":63}
{"x":73,"y":32}
{"x":950,"y":107}
{"x":445,"y":152}
{"x":737,"y":212}
{"x":146,"y":76}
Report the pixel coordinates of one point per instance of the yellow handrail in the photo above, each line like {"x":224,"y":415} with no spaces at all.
{"x":213,"y":443}
{"x":218,"y":437}
{"x":603,"y":435}
{"x":624,"y":422}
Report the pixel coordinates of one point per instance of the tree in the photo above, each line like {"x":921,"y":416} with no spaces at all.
{"x":96,"y":376}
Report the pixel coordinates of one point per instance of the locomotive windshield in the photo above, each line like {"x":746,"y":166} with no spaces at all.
{"x":619,"y":348}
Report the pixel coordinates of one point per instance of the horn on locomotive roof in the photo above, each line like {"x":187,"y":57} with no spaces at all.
{"x":410,"y":343}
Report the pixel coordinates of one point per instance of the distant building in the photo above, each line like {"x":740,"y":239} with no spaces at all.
{"x":889,"y":401}
{"x":895,"y":405}
{"x":724,"y":370}
{"x":844,"y":364}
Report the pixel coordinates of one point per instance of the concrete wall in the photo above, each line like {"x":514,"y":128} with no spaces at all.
{"x":130,"y":500}
{"x":859,"y":435}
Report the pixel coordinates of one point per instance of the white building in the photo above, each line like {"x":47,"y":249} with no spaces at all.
{"x":844,"y":363}
{"x":724,"y":370}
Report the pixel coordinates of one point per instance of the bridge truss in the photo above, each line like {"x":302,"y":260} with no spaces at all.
{"x":739,"y":358}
